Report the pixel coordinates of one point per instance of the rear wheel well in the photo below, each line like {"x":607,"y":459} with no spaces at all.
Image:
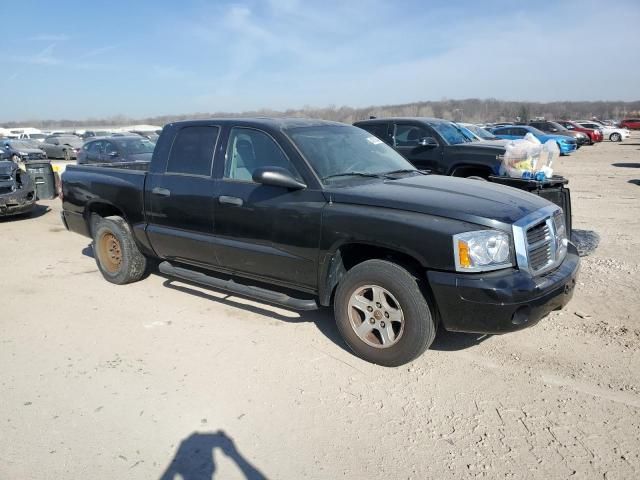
{"x":472,"y":171}
{"x":95,"y":211}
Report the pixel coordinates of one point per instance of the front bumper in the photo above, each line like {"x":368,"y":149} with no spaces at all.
{"x":567,"y":148}
{"x":17,"y":203}
{"x":501,"y":302}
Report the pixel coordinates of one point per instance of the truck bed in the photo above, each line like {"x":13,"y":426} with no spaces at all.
{"x":101,"y":186}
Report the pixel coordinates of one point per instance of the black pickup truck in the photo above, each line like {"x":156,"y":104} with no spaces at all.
{"x":306,"y":213}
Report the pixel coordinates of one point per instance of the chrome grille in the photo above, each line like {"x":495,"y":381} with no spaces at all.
{"x":540,"y":240}
{"x":539,"y":246}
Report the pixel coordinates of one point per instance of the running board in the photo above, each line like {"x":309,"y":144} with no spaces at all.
{"x":257,"y":293}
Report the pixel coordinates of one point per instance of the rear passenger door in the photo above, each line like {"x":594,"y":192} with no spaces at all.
{"x":180,"y":199}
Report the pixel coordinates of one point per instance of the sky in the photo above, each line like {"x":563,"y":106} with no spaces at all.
{"x":82,"y":59}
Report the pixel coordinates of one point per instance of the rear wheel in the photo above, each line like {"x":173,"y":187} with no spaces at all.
{"x":382,"y":313}
{"x":615,"y":137}
{"x":117,"y":255}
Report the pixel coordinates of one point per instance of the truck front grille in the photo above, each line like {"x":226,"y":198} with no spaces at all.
{"x":540,"y":246}
{"x":540,"y":240}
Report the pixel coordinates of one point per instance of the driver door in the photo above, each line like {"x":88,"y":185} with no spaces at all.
{"x":406,"y":141}
{"x":265,"y":231}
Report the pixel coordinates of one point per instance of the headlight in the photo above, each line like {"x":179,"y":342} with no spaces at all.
{"x":482,"y":251}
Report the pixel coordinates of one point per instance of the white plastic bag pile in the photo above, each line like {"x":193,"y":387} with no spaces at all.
{"x":527,"y":157}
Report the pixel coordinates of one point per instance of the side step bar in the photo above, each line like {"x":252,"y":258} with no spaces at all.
{"x":257,"y":293}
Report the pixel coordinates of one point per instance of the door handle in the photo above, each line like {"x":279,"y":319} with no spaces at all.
{"x":161,"y":192}
{"x":230,"y":200}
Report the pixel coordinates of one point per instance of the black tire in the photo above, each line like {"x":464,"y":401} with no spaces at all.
{"x":476,"y":177}
{"x":615,"y":137}
{"x":116,"y":253}
{"x":419,"y":328}
{"x":66,"y":154}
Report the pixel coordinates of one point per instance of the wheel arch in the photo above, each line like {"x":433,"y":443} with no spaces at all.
{"x":349,"y":254}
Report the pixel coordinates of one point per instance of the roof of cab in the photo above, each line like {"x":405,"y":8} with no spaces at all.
{"x":280,"y":123}
{"x":428,"y":120}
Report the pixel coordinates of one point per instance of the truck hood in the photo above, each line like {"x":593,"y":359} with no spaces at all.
{"x":472,"y":201}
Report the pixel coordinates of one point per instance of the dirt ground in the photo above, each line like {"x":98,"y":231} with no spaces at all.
{"x":162,"y":380}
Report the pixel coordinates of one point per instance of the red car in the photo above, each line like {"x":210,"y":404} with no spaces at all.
{"x":630,"y":123}
{"x":594,"y":135}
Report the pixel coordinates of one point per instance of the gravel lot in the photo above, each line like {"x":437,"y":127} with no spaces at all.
{"x":160,"y":378}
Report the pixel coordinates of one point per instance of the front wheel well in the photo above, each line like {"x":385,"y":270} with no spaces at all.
{"x":350,"y":255}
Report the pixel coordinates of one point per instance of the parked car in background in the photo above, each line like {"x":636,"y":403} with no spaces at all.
{"x":595,"y":134}
{"x":133,"y":148}
{"x":62,"y":146}
{"x":21,"y":150}
{"x":17,"y":189}
{"x":513,"y":132}
{"x":436,"y":145}
{"x":38,"y":137}
{"x":614,"y":134}
{"x":96,"y":133}
{"x":558,"y":129}
{"x":630,"y":123}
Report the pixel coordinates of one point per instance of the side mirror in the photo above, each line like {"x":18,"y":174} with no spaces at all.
{"x":428,"y":142}
{"x":277,"y":177}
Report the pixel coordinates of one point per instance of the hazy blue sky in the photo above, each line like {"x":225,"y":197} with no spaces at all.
{"x":80,"y":59}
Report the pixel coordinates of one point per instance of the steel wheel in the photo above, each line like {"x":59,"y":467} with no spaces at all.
{"x":110,"y":252}
{"x":376,"y":316}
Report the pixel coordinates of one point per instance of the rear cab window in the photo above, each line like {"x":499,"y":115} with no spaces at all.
{"x":192,"y":151}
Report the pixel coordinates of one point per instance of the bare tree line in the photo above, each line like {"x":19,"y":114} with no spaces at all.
{"x":467,"y":110}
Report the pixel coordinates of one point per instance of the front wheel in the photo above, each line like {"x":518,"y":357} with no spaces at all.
{"x":117,"y":255}
{"x":67,"y":155}
{"x":382,"y":314}
{"x":615,"y":137}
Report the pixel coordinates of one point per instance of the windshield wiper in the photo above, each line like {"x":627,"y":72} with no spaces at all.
{"x":353,"y":174}
{"x":403,"y":170}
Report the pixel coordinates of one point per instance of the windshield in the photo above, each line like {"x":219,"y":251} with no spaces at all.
{"x":535,"y":131}
{"x":481,"y":132}
{"x":136,"y":146}
{"x":451,"y":133}
{"x":558,"y":126}
{"x":334,"y":150}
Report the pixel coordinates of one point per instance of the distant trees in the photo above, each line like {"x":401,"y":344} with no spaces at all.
{"x":467,"y":110}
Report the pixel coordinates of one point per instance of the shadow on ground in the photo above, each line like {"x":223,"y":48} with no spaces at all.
{"x":194,"y":458}
{"x":586,"y":241}
{"x":454,"y":341}
{"x":322,"y":318}
{"x":635,"y":181}
{"x":38,"y":211}
{"x":626,"y":165}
